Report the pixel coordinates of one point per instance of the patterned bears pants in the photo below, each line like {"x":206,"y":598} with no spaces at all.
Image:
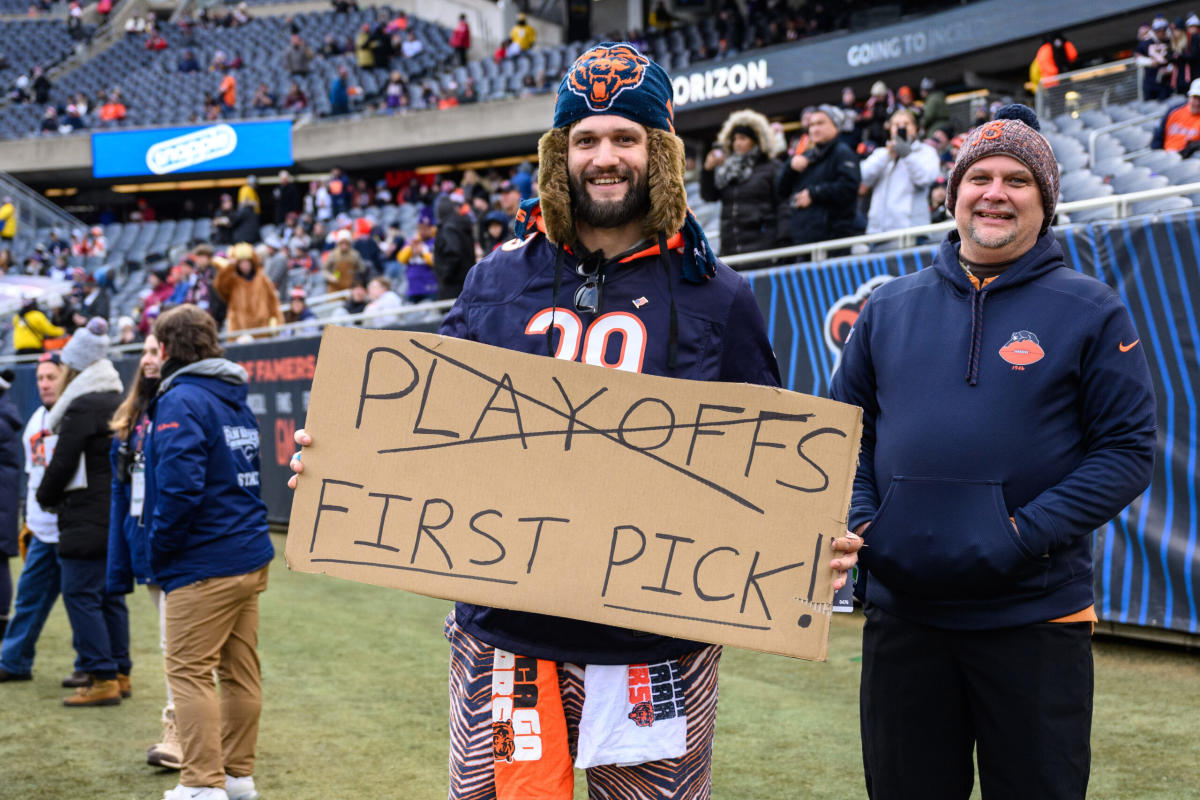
{"x":471,"y":759}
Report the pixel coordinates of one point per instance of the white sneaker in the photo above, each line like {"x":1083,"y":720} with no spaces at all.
{"x":181,"y":792}
{"x":240,"y":788}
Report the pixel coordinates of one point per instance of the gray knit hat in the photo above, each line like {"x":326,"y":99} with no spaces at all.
{"x":1015,"y":132}
{"x":87,"y":346}
{"x":835,"y":114}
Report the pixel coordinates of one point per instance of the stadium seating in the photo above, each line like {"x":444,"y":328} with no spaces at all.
{"x":1123,"y":162}
{"x":156,"y":93}
{"x":43,"y":42}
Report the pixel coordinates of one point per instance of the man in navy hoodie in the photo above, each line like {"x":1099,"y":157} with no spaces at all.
{"x":1007,"y":413}
{"x":209,"y":551}
{"x":611,"y":269}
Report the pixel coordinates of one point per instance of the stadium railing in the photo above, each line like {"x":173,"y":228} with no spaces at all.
{"x":33,"y":212}
{"x":1122,"y":204}
{"x":1092,"y":87}
{"x":817,"y":252}
{"x":311,"y":327}
{"x":1095,"y":133}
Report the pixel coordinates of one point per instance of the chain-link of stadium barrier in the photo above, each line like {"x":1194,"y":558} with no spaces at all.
{"x":1081,"y":90}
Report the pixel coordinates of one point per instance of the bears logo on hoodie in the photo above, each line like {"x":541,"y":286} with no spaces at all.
{"x":1022,"y":349}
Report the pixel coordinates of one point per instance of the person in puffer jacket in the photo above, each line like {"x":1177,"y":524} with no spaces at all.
{"x":76,"y":485}
{"x":741,"y":174}
{"x":209,"y":550}
{"x":1008,"y":412}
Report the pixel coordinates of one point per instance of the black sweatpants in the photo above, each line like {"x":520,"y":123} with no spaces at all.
{"x":929,"y":696}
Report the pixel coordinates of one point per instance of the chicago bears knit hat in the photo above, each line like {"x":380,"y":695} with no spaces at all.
{"x":614,"y":78}
{"x":1015,"y":132}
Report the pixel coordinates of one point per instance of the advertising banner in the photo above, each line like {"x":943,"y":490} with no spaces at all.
{"x":195,"y":148}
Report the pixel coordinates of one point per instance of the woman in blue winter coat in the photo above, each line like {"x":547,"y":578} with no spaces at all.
{"x":128,"y":562}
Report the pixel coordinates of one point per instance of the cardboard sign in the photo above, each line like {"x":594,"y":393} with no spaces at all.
{"x":468,"y":472}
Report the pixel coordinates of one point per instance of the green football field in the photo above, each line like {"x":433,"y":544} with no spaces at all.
{"x":355,"y":707}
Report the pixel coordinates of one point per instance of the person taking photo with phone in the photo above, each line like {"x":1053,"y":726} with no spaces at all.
{"x":899,"y":176}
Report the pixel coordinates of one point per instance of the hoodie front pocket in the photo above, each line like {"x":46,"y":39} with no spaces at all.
{"x":942,"y":538}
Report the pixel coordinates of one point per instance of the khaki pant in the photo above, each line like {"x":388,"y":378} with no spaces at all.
{"x":213,"y":625}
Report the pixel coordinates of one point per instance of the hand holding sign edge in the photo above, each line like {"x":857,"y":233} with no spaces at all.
{"x":296,"y":465}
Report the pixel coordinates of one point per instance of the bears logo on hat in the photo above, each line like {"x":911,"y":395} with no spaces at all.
{"x":601,"y":74}
{"x":614,"y":78}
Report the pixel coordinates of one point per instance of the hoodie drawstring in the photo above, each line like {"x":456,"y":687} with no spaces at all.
{"x":554,"y":300}
{"x":977,"y":298}
{"x":673,"y":336}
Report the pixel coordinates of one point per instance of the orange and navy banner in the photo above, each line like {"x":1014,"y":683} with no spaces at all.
{"x":1147,"y":567}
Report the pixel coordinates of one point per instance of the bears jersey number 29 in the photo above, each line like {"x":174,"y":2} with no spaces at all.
{"x":594,"y":342}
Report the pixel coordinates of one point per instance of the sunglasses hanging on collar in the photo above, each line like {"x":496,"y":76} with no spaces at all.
{"x":587,"y":296}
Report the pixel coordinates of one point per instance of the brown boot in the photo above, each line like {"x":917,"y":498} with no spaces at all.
{"x":125,"y":685}
{"x":100,"y":693}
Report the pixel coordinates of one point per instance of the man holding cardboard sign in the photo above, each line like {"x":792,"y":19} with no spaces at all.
{"x":609,"y":269}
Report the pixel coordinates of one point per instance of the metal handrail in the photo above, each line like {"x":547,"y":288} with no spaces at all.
{"x":819,"y":251}
{"x":35,"y":205}
{"x":1092,"y":71}
{"x":1095,"y":134}
{"x":419,"y":309}
{"x":907,"y":236}
{"x":1099,"y":70}
{"x":301,"y":328}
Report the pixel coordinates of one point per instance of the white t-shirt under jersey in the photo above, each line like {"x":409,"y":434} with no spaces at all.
{"x":39,"y":449}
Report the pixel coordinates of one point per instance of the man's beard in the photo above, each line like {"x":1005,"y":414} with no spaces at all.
{"x":992,"y":241}
{"x":612,"y":214}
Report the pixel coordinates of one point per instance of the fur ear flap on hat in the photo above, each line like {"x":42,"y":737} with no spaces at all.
{"x":553,"y":187}
{"x":668,"y":195}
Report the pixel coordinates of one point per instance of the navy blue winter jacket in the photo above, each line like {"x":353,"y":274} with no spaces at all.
{"x":1029,"y":399}
{"x":507,"y":302}
{"x":11,"y":460}
{"x":128,"y":545}
{"x":202,"y":477}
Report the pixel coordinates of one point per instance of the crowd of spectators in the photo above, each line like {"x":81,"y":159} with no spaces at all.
{"x":849,"y":168}
{"x":384,"y":42}
{"x":323,"y":238}
{"x":1169,"y":54}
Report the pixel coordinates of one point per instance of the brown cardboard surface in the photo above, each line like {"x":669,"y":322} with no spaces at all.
{"x":468,"y":472}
